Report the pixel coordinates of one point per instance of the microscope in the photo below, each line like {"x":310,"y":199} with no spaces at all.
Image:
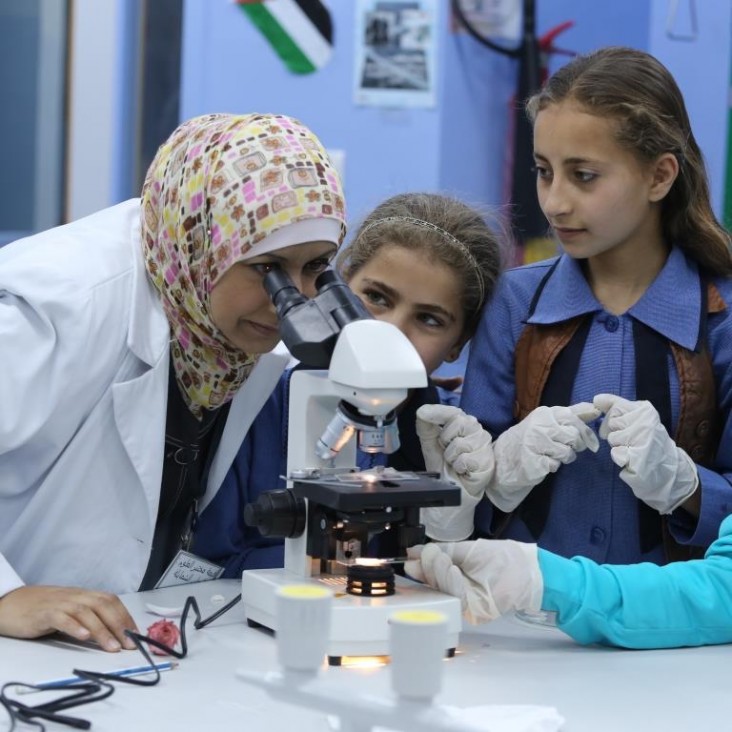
{"x":336,"y":520}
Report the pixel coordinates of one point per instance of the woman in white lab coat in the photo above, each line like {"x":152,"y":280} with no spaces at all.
{"x":130,"y":370}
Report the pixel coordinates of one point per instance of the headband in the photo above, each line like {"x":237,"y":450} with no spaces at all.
{"x":446,"y":235}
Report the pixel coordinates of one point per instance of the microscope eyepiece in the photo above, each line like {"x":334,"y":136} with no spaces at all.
{"x":325,"y":278}
{"x":310,"y":327}
{"x":282,"y":291}
{"x":344,"y":306}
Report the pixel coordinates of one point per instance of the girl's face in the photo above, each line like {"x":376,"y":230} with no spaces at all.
{"x":418,"y":295}
{"x":240,"y":306}
{"x":597,"y":195}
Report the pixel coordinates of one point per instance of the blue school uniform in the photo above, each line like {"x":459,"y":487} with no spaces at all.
{"x":593,"y":513}
{"x":644,"y":605}
{"x":221,"y":534}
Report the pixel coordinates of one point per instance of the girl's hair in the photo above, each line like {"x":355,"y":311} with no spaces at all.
{"x":639,"y":93}
{"x":446,"y":231}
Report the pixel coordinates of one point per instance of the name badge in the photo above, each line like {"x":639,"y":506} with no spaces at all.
{"x":186,"y":569}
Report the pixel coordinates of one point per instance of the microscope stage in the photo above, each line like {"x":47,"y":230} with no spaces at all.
{"x":348,"y":494}
{"x":359,"y":625}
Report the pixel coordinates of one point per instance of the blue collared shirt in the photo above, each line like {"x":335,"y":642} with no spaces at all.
{"x":593,"y":512}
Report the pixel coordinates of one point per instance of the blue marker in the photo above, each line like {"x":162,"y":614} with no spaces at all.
{"x":131,"y":671}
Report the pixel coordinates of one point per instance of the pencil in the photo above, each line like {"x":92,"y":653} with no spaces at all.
{"x":130,"y":671}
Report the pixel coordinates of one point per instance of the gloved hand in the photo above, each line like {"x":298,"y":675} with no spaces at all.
{"x":658,"y":472}
{"x":448,"y":434}
{"x":527,"y":452}
{"x":490,"y":577}
{"x":456,"y":446}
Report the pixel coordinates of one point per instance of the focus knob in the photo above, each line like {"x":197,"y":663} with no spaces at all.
{"x":277,"y":513}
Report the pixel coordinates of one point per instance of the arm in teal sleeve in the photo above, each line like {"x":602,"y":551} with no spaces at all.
{"x":643,"y":605}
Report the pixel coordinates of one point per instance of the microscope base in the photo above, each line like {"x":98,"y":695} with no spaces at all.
{"x":359,"y":625}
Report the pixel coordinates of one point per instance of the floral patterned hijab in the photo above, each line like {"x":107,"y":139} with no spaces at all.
{"x":215,"y":191}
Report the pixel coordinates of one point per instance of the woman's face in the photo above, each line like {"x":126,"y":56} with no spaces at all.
{"x":419,"y":295}
{"x":240,"y":306}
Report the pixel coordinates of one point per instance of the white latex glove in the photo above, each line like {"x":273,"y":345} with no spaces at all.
{"x":456,"y":446}
{"x":448,"y":434}
{"x":527,"y":452}
{"x":490,"y":577}
{"x":658,"y":472}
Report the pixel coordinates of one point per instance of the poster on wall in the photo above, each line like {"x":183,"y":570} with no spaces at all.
{"x":395,"y":53}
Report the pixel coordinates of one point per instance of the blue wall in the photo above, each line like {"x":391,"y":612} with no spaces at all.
{"x":460,"y":145}
{"x":478,"y":85}
{"x":229,"y":67}
{"x":701,"y":69}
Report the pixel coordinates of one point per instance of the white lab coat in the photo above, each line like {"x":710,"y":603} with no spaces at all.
{"x":84,"y":359}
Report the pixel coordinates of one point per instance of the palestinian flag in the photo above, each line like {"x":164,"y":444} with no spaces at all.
{"x":300,"y":31}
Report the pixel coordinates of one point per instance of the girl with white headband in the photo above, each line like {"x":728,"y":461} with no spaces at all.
{"x":426,"y":263}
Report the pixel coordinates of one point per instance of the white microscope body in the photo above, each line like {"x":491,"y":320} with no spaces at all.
{"x":372,"y":367}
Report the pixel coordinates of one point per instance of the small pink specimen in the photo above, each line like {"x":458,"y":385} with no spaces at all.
{"x":163,"y":631}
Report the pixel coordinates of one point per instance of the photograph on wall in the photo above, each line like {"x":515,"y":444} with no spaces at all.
{"x":395,"y":53}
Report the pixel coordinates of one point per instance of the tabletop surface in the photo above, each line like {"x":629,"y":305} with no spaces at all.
{"x":504,"y":662}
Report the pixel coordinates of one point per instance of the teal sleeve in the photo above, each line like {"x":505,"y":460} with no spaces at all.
{"x":643,"y":605}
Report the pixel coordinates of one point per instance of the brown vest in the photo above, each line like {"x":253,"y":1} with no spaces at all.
{"x":697,"y":430}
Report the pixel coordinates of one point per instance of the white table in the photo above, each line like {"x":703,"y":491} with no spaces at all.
{"x":505,"y":662}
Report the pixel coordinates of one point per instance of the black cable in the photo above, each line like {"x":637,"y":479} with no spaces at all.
{"x":82,"y":693}
{"x":203,"y":623}
{"x":140,"y":640}
{"x":97,"y":686}
{"x":6,"y":706}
